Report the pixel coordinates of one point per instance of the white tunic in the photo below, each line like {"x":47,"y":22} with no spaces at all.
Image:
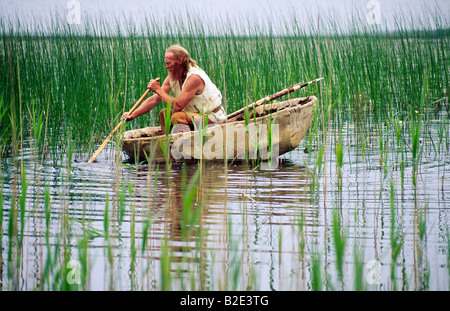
{"x":207,"y":101}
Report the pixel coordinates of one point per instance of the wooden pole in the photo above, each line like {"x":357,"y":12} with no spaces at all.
{"x":103,"y":145}
{"x":273,"y":96}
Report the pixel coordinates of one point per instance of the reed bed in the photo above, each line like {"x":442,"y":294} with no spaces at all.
{"x":382,"y":119}
{"x":85,"y":79}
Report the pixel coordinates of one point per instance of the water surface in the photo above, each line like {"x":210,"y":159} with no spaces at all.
{"x":235,"y":226}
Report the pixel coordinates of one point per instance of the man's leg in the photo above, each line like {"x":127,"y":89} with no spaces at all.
{"x":182,"y":121}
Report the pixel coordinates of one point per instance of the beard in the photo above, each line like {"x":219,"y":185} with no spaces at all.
{"x":177,"y":74}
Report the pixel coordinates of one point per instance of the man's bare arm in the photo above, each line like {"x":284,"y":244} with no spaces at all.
{"x":148,"y":104}
{"x":193,"y":85}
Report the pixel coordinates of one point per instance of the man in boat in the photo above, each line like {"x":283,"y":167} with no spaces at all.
{"x":195,"y":95}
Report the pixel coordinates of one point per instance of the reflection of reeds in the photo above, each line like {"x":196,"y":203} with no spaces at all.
{"x":396,"y":237}
{"x":339,"y":239}
{"x":1,"y":231}
{"x":316,"y":272}
{"x":191,"y":204}
{"x":358,"y":269}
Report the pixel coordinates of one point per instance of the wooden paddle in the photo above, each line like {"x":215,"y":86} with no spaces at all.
{"x":102,"y":146}
{"x":273,"y":96}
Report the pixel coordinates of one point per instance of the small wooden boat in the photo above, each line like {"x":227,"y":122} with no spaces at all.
{"x":264,"y":133}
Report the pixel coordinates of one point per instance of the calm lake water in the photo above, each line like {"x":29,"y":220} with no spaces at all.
{"x":255,"y":229}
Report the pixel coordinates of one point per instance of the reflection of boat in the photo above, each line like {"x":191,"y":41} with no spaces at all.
{"x":269,"y":131}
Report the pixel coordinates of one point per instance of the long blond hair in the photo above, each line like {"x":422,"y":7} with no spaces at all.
{"x":179,"y":51}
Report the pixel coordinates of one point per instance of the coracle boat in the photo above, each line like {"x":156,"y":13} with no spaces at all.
{"x":261,"y":133}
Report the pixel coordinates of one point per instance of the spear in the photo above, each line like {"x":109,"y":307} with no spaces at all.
{"x":273,"y":96}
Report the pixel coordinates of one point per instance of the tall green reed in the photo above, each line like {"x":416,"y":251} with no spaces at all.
{"x":316,"y":272}
{"x":107,"y":70}
{"x":191,"y":203}
{"x":416,"y":131}
{"x":109,"y":254}
{"x":340,"y":241}
{"x":165,"y":265}
{"x":358,"y":258}
{"x":396,"y":236}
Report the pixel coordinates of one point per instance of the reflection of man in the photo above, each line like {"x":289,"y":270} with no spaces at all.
{"x":195,"y":95}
